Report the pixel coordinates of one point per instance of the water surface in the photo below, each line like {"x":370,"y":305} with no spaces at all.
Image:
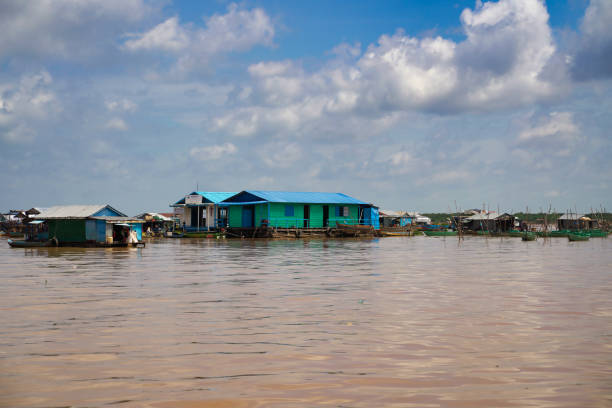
{"x":394,"y":322}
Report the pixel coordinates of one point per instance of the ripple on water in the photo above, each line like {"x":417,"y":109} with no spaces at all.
{"x":346,"y":323}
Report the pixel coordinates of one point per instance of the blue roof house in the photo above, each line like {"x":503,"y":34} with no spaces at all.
{"x":290,"y":209}
{"x":200,"y":211}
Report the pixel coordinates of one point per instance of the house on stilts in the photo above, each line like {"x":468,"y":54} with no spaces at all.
{"x":89,"y":225}
{"x":200,"y":211}
{"x":252,"y":210}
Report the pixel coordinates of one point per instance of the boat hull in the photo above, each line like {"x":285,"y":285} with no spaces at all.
{"x":578,"y":237}
{"x":30,"y":244}
{"x":345,"y":230}
{"x":440,"y":233}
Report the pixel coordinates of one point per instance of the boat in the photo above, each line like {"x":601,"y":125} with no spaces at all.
{"x":440,"y":233}
{"x":597,"y":233}
{"x":346,"y":230}
{"x":202,"y":234}
{"x":31,"y":244}
{"x":529,"y":236}
{"x":578,"y":237}
{"x":394,"y":233}
{"x":514,"y":233}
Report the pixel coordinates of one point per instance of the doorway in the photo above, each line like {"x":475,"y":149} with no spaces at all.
{"x":248,"y":216}
{"x":306,"y":216}
{"x":325,"y":215}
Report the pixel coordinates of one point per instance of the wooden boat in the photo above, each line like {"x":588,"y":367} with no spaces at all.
{"x":440,"y":233}
{"x":31,"y":244}
{"x":529,"y":236}
{"x":578,"y":237}
{"x":383,"y":233}
{"x":346,"y":230}
{"x":514,"y":233}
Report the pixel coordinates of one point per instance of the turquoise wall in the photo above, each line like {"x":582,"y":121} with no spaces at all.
{"x":277,"y":218}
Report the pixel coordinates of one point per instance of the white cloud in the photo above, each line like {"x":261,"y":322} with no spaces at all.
{"x":24,"y":104}
{"x":123,"y":105}
{"x":214,"y":152}
{"x":548,"y":140}
{"x":117,"y":124}
{"x":237,"y":30}
{"x":592,"y":56}
{"x":502,"y":64}
{"x":557,"y":127}
{"x":167,"y":36}
{"x":281,"y":155}
{"x":64,"y":28}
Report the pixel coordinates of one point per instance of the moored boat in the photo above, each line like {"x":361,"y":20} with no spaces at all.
{"x":440,"y":233}
{"x":31,"y":244}
{"x":578,"y":237}
{"x":347,"y":230}
{"x":528,"y":236}
{"x":597,"y":233}
{"x":202,"y":234}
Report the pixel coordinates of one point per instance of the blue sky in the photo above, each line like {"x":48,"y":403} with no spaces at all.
{"x":410,"y":105}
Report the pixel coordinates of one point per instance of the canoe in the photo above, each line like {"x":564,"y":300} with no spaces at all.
{"x":528,"y":236}
{"x":516,"y":234}
{"x":440,"y":233}
{"x":31,"y":244}
{"x":578,"y":237}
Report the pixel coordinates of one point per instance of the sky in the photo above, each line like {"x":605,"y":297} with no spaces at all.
{"x":411,"y":105}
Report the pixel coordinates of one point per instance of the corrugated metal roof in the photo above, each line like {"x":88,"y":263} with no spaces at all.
{"x":391,"y":213}
{"x":216,"y":196}
{"x":305,"y":197}
{"x":72,"y":211}
{"x":113,"y":219}
{"x":571,"y":216}
{"x":482,"y":216}
{"x":213,"y":196}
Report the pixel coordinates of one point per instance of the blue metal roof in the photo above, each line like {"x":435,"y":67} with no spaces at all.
{"x":213,"y":196}
{"x":297,"y":197}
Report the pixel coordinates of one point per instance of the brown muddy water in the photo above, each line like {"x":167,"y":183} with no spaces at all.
{"x":394,"y":322}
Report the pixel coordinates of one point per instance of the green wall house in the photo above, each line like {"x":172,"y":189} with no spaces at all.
{"x":286,"y":209}
{"x":88,"y":224}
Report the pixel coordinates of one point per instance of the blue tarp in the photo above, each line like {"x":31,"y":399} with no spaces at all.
{"x":370,"y":217}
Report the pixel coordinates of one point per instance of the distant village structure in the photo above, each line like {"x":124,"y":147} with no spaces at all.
{"x":87,"y":225}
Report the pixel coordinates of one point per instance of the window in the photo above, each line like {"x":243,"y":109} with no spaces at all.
{"x":289,"y":212}
{"x":342,"y":211}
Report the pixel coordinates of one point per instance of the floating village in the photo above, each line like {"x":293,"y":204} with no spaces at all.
{"x":276,"y":214}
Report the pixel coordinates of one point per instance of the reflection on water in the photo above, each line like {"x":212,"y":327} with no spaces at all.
{"x":406,"y":322}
